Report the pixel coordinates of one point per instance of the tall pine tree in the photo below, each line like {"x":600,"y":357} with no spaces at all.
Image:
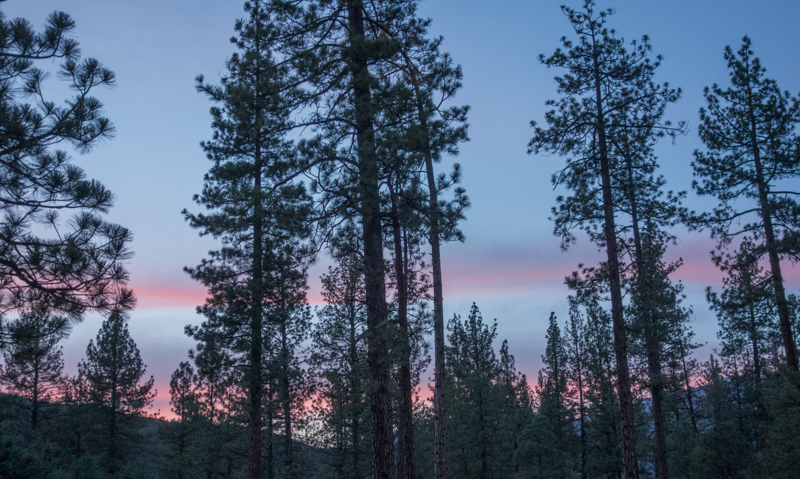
{"x":749,"y":130}
{"x":604,"y":80}
{"x":256,"y":208}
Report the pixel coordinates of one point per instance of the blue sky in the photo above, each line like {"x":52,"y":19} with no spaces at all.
{"x":510,"y":264}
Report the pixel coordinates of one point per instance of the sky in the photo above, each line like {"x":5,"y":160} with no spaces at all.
{"x":510,"y":264}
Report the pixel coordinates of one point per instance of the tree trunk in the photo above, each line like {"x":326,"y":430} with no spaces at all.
{"x":644,"y":278}
{"x":629,"y":456}
{"x":374,"y":282}
{"x":407,"y":469}
{"x":784,"y":317}
{"x":255,"y":384}
{"x":288,"y":460}
{"x":439,"y":404}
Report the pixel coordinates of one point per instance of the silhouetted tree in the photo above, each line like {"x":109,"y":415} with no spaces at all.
{"x":605,"y":81}
{"x":435,"y":129}
{"x":79,"y":266}
{"x":749,"y":130}
{"x":479,"y":446}
{"x":113,"y":371}
{"x":256,"y":208}
{"x":181,"y":433}
{"x":339,"y":360}
{"x":33,"y":361}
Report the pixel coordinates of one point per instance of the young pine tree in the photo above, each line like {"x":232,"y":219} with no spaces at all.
{"x":33,"y":361}
{"x":746,"y":311}
{"x":339,"y":361}
{"x":477,"y":449}
{"x":114,"y":371}
{"x":181,"y":433}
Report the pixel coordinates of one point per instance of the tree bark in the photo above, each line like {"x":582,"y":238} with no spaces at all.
{"x":374,"y":282}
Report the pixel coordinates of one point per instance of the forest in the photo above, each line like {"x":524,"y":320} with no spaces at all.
{"x":334,"y":132}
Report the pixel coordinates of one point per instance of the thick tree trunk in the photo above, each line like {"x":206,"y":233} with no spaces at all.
{"x":374,"y":282}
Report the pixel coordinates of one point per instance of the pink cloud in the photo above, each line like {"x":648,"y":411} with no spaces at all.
{"x":519,"y":268}
{"x":155,"y":295}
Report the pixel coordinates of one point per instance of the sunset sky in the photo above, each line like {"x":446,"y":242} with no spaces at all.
{"x":510,"y":264}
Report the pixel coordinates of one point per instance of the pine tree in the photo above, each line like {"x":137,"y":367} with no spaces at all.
{"x":749,"y":132}
{"x":435,"y":129}
{"x":723,"y":450}
{"x":636,"y":125}
{"x":33,"y":361}
{"x":338,"y":52}
{"x":339,"y":360}
{"x":181,"y":433}
{"x":477,"y":449}
{"x":79,"y":266}
{"x":257,"y":210}
{"x":576,"y":350}
{"x":746,"y":313}
{"x":291,"y":321}
{"x":400,"y":244}
{"x":215,"y":378}
{"x":76,"y":428}
{"x":113,"y":371}
{"x":604,"y":453}
{"x":659,"y":329}
{"x":608,"y":99}
{"x":555,"y":397}
{"x":518,"y":400}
